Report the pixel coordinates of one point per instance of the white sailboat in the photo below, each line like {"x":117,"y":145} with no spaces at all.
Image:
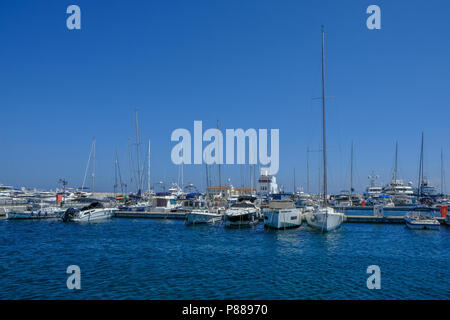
{"x":324,"y":217}
{"x":421,"y":217}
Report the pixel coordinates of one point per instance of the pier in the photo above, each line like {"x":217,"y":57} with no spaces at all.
{"x":150,"y":215}
{"x":381,"y":220}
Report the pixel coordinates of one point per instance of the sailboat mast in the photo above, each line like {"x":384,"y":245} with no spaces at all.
{"x":148,"y":169}
{"x":137,"y":151}
{"x":307,"y":170}
{"x":324,"y":142}
{"x":93,"y":168}
{"x":394,"y":176}
{"x":419,"y":189}
{"x":294,"y":181}
{"x":220,"y":174}
{"x":442,"y":172}
{"x":351,"y":173}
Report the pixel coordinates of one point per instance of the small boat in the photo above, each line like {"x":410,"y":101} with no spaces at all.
{"x":324,"y":218}
{"x":35,"y":212}
{"x":93,"y":212}
{"x":282,"y":214}
{"x":199,"y":216}
{"x":421,"y":217}
{"x":244,"y":213}
{"x":198,"y":212}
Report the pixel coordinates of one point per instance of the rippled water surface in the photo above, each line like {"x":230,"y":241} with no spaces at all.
{"x":162,"y":259}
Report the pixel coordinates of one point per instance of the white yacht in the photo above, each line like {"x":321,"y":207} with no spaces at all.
{"x":324,"y":217}
{"x":164,"y":202}
{"x":282,"y":214}
{"x":93,"y":212}
{"x":243,"y":213}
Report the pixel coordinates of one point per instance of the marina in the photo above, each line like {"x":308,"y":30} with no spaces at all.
{"x":225,"y":154}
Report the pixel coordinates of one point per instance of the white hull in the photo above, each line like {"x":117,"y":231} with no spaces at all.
{"x":202,"y":217}
{"x":94,"y":215}
{"x":44,"y":213}
{"x":420,"y":224}
{"x":282,"y":218}
{"x":324,"y":219}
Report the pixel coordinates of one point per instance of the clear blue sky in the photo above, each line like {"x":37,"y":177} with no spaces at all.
{"x":249,"y":64}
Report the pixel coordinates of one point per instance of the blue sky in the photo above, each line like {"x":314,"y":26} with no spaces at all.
{"x":249,"y":64}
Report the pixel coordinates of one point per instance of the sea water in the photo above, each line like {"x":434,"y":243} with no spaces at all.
{"x":165,"y":259}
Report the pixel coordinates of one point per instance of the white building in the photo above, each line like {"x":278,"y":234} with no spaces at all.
{"x":267,"y":184}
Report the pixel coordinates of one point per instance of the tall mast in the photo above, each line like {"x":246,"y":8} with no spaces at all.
{"x":307,"y":170}
{"x":137,"y":152}
{"x":442,"y":172}
{"x":324,"y":142}
{"x":93,"y":168}
{"x":220,"y":174}
{"x":120,"y":175}
{"x":115,"y":172}
{"x":294,"y":181}
{"x":148,"y":169}
{"x":130,"y":152}
{"x":87,"y":166}
{"x":351,"y":173}
{"x":419,"y":189}
{"x":394,"y":176}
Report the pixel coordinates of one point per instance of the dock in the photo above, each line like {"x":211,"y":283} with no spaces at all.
{"x":382,"y":220}
{"x":150,"y":215}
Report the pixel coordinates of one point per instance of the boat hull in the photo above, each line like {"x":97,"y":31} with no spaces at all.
{"x":33,"y":215}
{"x":244,"y":219}
{"x":202,"y":217}
{"x":94,"y":215}
{"x":325,"y":219}
{"x":421,"y":225}
{"x":283,"y":218}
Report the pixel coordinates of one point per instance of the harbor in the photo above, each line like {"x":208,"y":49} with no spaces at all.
{"x":215,"y":156}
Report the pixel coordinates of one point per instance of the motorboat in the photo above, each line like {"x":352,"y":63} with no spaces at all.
{"x":421,"y":218}
{"x":243,"y":213}
{"x":282,"y":214}
{"x":164,"y":202}
{"x":93,"y":212}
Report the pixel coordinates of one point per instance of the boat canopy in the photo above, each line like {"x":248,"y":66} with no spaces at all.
{"x":93,"y":205}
